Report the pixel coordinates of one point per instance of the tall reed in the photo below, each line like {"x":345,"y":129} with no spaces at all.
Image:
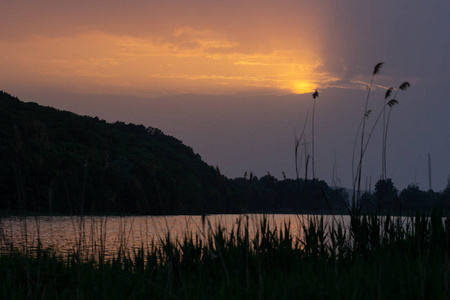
{"x":314,"y":95}
{"x":391,"y":103}
{"x":375,"y":71}
{"x":298,"y":141}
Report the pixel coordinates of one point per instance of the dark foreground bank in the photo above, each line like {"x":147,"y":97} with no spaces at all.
{"x":374,"y":259}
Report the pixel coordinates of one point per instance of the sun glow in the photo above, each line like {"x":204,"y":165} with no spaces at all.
{"x":303,"y":87}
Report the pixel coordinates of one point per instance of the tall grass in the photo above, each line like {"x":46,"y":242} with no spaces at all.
{"x":376,"y":70}
{"x":298,"y":141}
{"x":371,"y":258}
{"x":391,"y":103}
{"x":387,"y":104}
{"x":314,"y":95}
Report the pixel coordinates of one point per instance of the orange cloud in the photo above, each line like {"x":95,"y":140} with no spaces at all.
{"x":187,"y":61}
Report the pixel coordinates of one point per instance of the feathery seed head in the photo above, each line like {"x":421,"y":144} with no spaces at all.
{"x":315,"y":94}
{"x":404,"y":86}
{"x":377,"y":68}
{"x":388,"y":92}
{"x":392,"y":103}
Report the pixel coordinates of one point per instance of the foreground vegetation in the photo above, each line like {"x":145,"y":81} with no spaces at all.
{"x":370,"y":258}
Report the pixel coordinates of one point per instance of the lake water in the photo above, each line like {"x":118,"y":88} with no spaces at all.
{"x":92,"y":234}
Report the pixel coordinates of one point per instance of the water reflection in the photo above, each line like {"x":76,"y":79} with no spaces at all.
{"x":92,"y":235}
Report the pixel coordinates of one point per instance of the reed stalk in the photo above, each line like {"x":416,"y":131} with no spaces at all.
{"x":375,"y":71}
{"x":391,"y":103}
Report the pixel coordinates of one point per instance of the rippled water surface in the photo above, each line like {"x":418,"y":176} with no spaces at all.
{"x":92,"y":234}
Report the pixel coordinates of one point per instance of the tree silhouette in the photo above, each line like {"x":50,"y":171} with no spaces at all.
{"x":385,"y":194}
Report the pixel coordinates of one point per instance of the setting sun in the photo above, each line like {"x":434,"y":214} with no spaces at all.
{"x":302,"y":87}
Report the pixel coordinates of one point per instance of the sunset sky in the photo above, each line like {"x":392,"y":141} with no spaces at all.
{"x":233,"y":79}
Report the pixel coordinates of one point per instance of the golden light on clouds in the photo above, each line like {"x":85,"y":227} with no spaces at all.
{"x":303,"y":87}
{"x":187,"y":61}
{"x":157,"y":48}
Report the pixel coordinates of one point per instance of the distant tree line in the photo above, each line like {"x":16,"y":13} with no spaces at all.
{"x":386,"y":198}
{"x":57,"y":161}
